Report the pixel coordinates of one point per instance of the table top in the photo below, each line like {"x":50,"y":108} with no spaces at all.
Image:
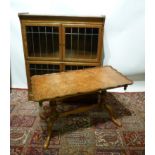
{"x":66,"y":84}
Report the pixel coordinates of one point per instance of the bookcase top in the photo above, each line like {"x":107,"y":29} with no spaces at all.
{"x":61,"y":17}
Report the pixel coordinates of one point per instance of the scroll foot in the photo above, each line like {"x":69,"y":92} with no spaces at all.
{"x":46,"y":144}
{"x":52,"y":119}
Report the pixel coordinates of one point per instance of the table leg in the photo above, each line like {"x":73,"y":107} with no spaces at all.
{"x":40,"y":104}
{"x":42,"y":117}
{"x":110,"y":110}
{"x":112,"y":115}
{"x":52,"y":119}
{"x":49,"y":130}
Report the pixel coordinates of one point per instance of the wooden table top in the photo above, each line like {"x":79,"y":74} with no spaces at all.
{"x":66,"y":84}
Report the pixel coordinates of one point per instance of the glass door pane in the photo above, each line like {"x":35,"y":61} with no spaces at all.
{"x":81,"y":43}
{"x":76,"y":67}
{"x":42,"y":41}
{"x":39,"y":69}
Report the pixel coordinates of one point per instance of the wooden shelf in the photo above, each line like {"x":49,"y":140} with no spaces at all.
{"x":45,"y":54}
{"x":80,"y":54}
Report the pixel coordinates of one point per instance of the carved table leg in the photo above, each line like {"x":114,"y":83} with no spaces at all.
{"x":40,"y":104}
{"x":99,"y":99}
{"x":110,"y":110}
{"x":52,"y":119}
{"x":49,"y":130}
{"x":42,"y":117}
{"x":112,"y":115}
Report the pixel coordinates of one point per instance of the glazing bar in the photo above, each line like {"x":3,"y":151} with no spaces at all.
{"x":52,"y":42}
{"x":91,"y":44}
{"x":78,"y":41}
{"x":32,"y":41}
{"x":84,"y":40}
{"x":79,"y":34}
{"x":46,"y":40}
{"x":71,"y":41}
{"x":39,"y":41}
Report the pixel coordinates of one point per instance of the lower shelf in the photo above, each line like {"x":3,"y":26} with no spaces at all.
{"x":73,"y":54}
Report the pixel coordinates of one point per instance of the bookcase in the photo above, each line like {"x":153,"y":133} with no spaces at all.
{"x":60,"y":43}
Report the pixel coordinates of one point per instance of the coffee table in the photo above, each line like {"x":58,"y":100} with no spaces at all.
{"x":57,"y":86}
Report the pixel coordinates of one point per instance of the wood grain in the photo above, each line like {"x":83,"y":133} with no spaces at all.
{"x":59,"y":85}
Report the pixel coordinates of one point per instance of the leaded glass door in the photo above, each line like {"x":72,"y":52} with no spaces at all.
{"x":81,"y":42}
{"x":43,"y":41}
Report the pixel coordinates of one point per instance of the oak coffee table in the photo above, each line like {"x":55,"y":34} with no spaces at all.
{"x":58,"y":86}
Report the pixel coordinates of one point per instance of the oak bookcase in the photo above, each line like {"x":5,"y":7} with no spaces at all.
{"x":60,"y":43}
